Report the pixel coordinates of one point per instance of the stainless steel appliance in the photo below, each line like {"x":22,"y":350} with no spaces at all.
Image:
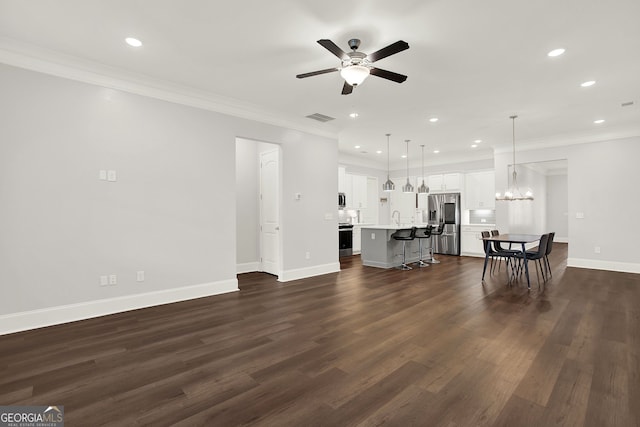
{"x":444,"y":210}
{"x":345,"y":239}
{"x":342,"y":200}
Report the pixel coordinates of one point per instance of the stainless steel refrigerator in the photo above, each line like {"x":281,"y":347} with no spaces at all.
{"x":444,"y":209}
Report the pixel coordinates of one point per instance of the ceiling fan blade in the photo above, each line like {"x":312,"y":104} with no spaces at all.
{"x":347,"y":89}
{"x":389,"y":75}
{"x":393,"y":48}
{"x":333,"y":48}
{"x":315,"y":73}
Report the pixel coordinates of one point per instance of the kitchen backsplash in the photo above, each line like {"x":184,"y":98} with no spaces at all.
{"x":482,"y":216}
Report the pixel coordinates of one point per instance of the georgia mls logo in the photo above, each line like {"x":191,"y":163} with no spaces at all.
{"x":31,"y":416}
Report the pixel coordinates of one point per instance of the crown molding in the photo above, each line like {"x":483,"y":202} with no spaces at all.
{"x":54,"y":63}
{"x":565,"y":140}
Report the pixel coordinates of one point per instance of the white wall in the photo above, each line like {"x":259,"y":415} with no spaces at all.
{"x":557,"y":207}
{"x":601,"y":183}
{"x":529,"y":217}
{"x":62,"y":227}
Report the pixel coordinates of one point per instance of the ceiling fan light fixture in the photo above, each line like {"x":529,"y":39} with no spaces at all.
{"x":354,"y":74}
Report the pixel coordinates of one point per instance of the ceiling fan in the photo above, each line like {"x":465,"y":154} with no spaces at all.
{"x":356,"y":66}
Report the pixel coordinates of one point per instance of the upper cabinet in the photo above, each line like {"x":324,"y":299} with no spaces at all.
{"x":445,"y":182}
{"x":359,"y":192}
{"x":354,"y":187}
{"x":342,"y":180}
{"x":480,"y":190}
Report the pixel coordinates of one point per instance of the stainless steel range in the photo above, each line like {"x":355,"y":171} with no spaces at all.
{"x":345,"y":239}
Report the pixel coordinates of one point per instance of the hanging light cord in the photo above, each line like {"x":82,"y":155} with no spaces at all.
{"x":407,"y":141}
{"x":388,"y":135}
{"x":513,"y":127}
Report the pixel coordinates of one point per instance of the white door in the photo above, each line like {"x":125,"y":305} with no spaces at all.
{"x":270,"y":212}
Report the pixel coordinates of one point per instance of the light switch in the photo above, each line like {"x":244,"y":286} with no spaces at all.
{"x":580,"y":215}
{"x":104,"y":280}
{"x":103,"y":175}
{"x":111,"y":176}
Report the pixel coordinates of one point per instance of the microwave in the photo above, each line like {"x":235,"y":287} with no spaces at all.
{"x":342,"y":200}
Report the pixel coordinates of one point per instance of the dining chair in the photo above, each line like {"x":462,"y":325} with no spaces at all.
{"x":499,"y":248}
{"x":537,"y":255}
{"x":492,"y":253}
{"x":548,"y":251}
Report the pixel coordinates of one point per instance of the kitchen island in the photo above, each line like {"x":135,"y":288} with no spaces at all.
{"x":380,"y":250}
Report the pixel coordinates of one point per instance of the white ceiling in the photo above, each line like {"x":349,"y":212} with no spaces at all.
{"x":471,"y":63}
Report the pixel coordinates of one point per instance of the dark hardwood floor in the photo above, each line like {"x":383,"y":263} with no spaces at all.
{"x":426,"y":347}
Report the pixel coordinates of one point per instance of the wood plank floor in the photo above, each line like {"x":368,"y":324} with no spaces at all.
{"x":363,"y":347}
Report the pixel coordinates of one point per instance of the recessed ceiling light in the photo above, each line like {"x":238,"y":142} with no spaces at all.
{"x":474,"y":145}
{"x":433,"y":119}
{"x":133,"y":42}
{"x":353,"y":115}
{"x":357,"y":146}
{"x":589,"y":83}
{"x":599,"y":121}
{"x":436,"y":151}
{"x":556,"y":52}
{"x":379,"y":152}
{"x":404,"y":156}
{"x":477,"y":141}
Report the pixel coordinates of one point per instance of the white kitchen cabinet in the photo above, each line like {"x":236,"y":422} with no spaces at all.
{"x":357,"y":239}
{"x":471,"y":243}
{"x":359,"y":192}
{"x":445,"y":182}
{"x":342,"y":179}
{"x":480,"y":190}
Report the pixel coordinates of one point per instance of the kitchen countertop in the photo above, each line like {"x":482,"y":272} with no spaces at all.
{"x":393,"y":226}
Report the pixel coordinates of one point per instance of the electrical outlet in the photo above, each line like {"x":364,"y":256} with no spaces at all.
{"x":104,"y":280}
{"x":113,"y":279}
{"x":373,"y":236}
{"x":307,"y":255}
{"x":596,"y":249}
{"x":112,"y":176}
{"x":140,"y":276}
{"x":103,"y":175}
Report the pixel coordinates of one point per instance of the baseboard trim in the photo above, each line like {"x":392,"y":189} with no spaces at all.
{"x":473,"y":254}
{"x":561,"y":239}
{"x":248,"y":267}
{"x":26,"y":320}
{"x":302,"y":273}
{"x":624,"y":267}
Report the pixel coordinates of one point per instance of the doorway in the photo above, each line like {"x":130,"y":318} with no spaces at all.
{"x":258,"y":212}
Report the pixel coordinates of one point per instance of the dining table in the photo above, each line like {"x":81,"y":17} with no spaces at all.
{"x":513,"y":239}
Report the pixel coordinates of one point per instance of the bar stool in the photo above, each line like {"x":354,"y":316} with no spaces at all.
{"x":404,"y":235}
{"x":437,"y":232}
{"x":421,"y":234}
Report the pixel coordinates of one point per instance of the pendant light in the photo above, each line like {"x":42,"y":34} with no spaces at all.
{"x":407,"y":188}
{"x":513,"y":192}
{"x":423,"y":189}
{"x":389,"y":185}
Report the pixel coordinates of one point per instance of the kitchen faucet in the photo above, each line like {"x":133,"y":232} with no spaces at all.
{"x":397,"y":220}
